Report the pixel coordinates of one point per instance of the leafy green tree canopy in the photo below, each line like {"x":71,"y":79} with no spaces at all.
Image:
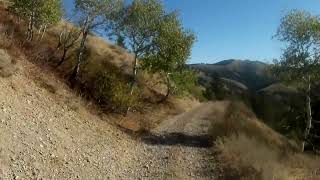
{"x":137,"y":24}
{"x":300,"y":63}
{"x":37,"y":12}
{"x":171,"y":50}
{"x":93,"y":14}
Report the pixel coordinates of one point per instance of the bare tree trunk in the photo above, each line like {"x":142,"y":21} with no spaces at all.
{"x":30,"y":27}
{"x":44,"y":28}
{"x":63,"y":57}
{"x":309,"y":115}
{"x":60,"y":39}
{"x":85,"y":32}
{"x":135,"y":73}
{"x":168,"y":83}
{"x":39,"y":30}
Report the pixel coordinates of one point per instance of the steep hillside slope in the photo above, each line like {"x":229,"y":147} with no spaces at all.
{"x":47,"y":132}
{"x":104,"y":76}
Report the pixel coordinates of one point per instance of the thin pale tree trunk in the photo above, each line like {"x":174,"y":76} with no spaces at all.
{"x":40,"y":29}
{"x":135,"y":73}
{"x":44,"y":29}
{"x":309,"y":115}
{"x":60,"y":39}
{"x":30,"y":27}
{"x":168,"y":92}
{"x":85,"y":32}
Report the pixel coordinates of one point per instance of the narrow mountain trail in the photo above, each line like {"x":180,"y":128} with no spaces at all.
{"x":195,"y":122}
{"x":50,"y":134}
{"x":188,"y":133}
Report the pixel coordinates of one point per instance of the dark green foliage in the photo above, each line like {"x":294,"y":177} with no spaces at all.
{"x":112,"y":90}
{"x":184,"y":81}
{"x":121,"y":41}
{"x":215,"y":90}
{"x":284,"y":112}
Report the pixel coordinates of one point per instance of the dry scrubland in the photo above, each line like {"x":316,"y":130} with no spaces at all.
{"x":50,"y":131}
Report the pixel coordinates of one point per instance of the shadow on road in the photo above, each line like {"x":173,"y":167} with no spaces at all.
{"x":172,"y":139}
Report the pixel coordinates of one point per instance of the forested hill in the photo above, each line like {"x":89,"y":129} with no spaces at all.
{"x":251,"y":74}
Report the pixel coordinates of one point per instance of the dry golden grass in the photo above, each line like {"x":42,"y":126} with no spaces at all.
{"x":248,"y":149}
{"x":248,"y":158}
{"x":99,"y":50}
{"x":240,"y":120}
{"x":6,"y":64}
{"x":5,"y":2}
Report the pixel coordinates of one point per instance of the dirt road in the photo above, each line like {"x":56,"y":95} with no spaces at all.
{"x":46,"y":135}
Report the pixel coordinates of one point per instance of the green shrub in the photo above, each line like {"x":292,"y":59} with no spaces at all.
{"x":113,"y":90}
{"x":185,"y":84}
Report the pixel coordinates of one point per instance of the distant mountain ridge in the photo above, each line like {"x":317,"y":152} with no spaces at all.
{"x":251,"y":74}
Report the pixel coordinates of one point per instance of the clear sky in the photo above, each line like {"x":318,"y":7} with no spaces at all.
{"x":240,"y":29}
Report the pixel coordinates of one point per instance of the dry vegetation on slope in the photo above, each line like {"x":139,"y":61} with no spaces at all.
{"x":48,"y":132}
{"x":104,"y":76}
{"x":248,"y":149}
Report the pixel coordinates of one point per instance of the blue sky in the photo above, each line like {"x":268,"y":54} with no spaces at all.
{"x":240,"y":29}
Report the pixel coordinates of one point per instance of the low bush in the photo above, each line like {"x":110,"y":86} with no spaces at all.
{"x":113,"y":90}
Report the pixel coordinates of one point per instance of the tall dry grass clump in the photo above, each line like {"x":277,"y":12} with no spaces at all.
{"x":248,"y":149}
{"x":6,"y":64}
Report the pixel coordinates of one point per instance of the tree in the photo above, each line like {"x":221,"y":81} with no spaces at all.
{"x":51,"y":13}
{"x":171,"y":50}
{"x":138,"y":25}
{"x":299,"y":64}
{"x":215,"y":89}
{"x":67,"y":39}
{"x":38,"y":13}
{"x":183,"y":81}
{"x":93,"y":14}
